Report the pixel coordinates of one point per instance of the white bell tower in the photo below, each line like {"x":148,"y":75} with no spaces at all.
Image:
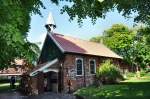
{"x":50,"y":23}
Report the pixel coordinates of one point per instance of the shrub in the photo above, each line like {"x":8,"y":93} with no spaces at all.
{"x":142,"y":73}
{"x":147,"y":69}
{"x":130,"y":74}
{"x":109,"y":73}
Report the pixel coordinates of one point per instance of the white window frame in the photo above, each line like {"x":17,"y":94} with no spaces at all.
{"x":82,"y":66}
{"x":90,"y":66}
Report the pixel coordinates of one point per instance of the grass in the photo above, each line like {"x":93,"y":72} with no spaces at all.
{"x":5,"y":87}
{"x":133,"y":88}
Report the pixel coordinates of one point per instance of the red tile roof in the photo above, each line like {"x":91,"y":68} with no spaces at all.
{"x":75,"y":45}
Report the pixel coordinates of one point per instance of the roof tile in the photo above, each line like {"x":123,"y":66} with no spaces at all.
{"x":75,"y":45}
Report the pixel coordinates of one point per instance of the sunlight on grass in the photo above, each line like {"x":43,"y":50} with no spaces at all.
{"x":135,"y":79}
{"x":6,"y":86}
{"x":133,"y":88}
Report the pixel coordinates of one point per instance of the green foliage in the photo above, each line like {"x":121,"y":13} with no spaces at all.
{"x":16,"y":16}
{"x":141,"y":52}
{"x":98,"y":39}
{"x":147,"y":69}
{"x":142,"y":73}
{"x":14,"y":25}
{"x":95,"y":9}
{"x":120,"y":39}
{"x":141,"y":55}
{"x":129,"y":89}
{"x":136,"y":75}
{"x":129,"y":43}
{"x":130,"y":74}
{"x":108,"y":72}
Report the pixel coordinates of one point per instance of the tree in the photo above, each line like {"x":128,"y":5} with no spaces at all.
{"x":98,"y":39}
{"x":141,"y":49}
{"x":98,"y":8}
{"x":129,"y":43}
{"x":14,"y":25}
{"x":16,"y":15}
{"x":120,"y":39}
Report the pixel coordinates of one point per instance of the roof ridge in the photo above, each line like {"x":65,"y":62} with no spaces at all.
{"x":78,"y":38}
{"x":79,"y":46}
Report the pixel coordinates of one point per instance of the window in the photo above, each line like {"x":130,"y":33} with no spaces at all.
{"x":79,"y":66}
{"x":92,"y":67}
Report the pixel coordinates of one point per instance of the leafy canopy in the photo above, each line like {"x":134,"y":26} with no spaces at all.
{"x":95,"y":9}
{"x":15,"y":16}
{"x":129,"y":43}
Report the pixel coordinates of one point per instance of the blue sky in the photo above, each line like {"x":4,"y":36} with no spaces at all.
{"x":64,"y":26}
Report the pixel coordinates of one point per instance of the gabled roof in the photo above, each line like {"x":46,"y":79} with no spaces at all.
{"x":75,"y":45}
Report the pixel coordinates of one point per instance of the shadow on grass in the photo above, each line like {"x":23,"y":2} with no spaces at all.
{"x":125,"y":90}
{"x":4,"y":89}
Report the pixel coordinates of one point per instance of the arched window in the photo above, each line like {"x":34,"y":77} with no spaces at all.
{"x":92,"y":66}
{"x":79,"y":66}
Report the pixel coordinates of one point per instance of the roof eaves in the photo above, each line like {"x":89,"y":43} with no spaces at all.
{"x":42,"y":67}
{"x":118,"y":57}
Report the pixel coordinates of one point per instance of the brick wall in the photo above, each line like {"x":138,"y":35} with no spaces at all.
{"x":78,"y":81}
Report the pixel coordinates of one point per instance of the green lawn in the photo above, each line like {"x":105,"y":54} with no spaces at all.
{"x":6,"y":86}
{"x":134,"y":88}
